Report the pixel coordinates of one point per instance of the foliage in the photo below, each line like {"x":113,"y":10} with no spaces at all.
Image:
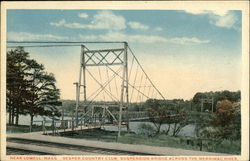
{"x":228,"y":119}
{"x":224,"y":113}
{"x":30,"y":90}
{"x":179,"y":118}
{"x":225,"y":123}
{"x":167,"y":112}
{"x":216,"y":96}
{"x":16,"y":84}
{"x":235,"y":126}
{"x":158,"y":113}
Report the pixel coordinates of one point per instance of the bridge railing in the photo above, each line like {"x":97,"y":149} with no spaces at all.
{"x":55,"y":126}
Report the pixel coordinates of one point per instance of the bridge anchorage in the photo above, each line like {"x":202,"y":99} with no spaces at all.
{"x":110,"y":82}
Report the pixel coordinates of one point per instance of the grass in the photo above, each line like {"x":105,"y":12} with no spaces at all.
{"x":94,"y":134}
{"x":229,"y":147}
{"x":158,"y":140}
{"x":226,"y":146}
{"x":25,"y":128}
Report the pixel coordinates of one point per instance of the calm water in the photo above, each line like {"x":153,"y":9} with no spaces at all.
{"x":188,"y":130}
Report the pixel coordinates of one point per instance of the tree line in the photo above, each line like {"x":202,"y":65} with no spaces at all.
{"x":30,"y":89}
{"x":212,"y":125}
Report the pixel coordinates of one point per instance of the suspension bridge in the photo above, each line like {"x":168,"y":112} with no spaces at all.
{"x":111,"y":80}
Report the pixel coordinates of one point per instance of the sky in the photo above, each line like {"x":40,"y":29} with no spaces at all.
{"x":182,"y":51}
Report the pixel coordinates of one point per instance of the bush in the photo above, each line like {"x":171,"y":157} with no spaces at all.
{"x":229,"y":146}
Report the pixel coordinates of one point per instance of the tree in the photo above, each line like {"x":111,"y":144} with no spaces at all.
{"x":224,"y":113}
{"x":30,"y":87}
{"x":178,"y":116}
{"x":16,"y":83}
{"x":227,"y":118}
{"x":216,"y":96}
{"x":235,"y":126}
{"x":171,"y":112}
{"x":224,"y":124}
{"x":157,"y":112}
{"x":197,"y":101}
{"x":42,"y":96}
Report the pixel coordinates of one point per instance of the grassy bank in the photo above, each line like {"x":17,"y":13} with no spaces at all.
{"x":159,"y":140}
{"x":226,"y":146}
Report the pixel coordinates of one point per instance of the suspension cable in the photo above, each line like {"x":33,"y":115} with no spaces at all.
{"x":131,"y":68}
{"x":105,"y":83}
{"x":140,"y":85}
{"x":65,"y":42}
{"x":145,"y":73}
{"x":101,"y":81}
{"x":134,"y":82}
{"x":110,"y":94}
{"x":41,"y":46}
{"x":130,"y":84}
{"x":108,"y":78}
{"x":116,"y":87}
{"x":145,"y":85}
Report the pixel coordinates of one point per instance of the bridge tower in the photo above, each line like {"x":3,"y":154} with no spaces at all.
{"x":103,"y":58}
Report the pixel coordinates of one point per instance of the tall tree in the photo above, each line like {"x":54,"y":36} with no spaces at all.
{"x":16,"y":83}
{"x":42,"y":97}
{"x":30,"y":90}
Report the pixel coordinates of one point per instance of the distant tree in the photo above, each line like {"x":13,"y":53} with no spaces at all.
{"x":68,"y":105}
{"x":158,"y":113}
{"x":224,"y":113}
{"x":235,"y":126}
{"x":224,"y":124}
{"x":196,"y":102}
{"x":178,"y":115}
{"x":216,"y":96}
{"x":228,"y":119}
{"x":171,"y":112}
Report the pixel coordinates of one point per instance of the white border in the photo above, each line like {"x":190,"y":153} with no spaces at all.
{"x":138,"y":5}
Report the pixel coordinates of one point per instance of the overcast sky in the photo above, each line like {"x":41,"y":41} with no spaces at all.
{"x":183,"y":52}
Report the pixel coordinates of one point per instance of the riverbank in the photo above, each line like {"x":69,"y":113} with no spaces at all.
{"x":226,"y":146}
{"x":162,"y":140}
